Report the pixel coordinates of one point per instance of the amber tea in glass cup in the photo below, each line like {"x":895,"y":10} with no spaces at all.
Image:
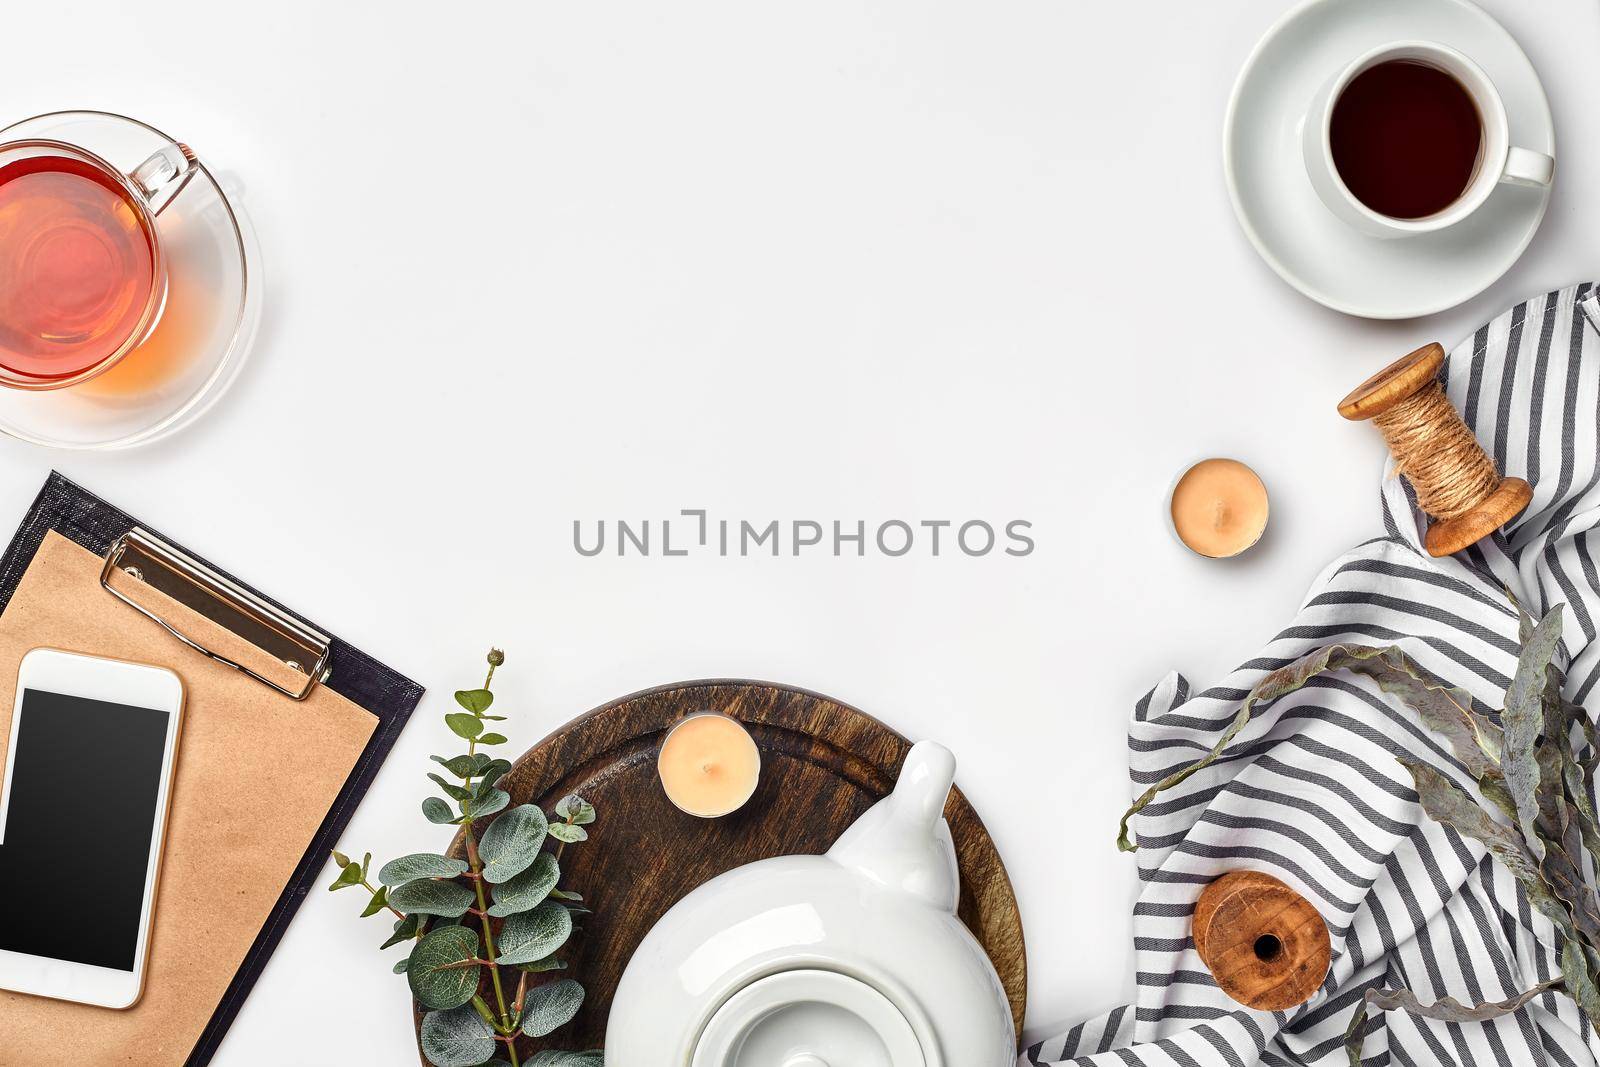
{"x":82,"y":278}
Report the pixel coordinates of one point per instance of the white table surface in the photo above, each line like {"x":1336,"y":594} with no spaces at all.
{"x":531,"y":263}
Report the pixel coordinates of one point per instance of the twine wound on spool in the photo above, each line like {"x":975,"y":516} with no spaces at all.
{"x":1455,"y":480}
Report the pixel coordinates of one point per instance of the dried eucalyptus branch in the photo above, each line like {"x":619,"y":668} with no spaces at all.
{"x":507,"y":887}
{"x":1536,"y":770}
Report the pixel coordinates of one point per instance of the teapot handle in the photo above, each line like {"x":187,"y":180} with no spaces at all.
{"x":925,"y":781}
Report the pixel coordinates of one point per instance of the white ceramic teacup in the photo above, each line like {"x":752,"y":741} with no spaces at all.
{"x":1498,"y":160}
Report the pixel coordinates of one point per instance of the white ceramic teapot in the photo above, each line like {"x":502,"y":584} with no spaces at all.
{"x":850,"y":959}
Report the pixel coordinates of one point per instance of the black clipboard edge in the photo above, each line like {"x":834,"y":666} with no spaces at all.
{"x":86,"y":519}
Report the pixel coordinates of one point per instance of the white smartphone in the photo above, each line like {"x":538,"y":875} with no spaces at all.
{"x":83,"y":811}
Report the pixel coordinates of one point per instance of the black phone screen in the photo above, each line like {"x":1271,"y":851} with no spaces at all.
{"x":79,"y":820}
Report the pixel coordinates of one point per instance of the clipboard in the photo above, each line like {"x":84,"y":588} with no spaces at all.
{"x":221,"y":635}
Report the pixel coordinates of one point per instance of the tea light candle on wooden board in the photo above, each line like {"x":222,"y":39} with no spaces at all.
{"x":709,"y":765}
{"x":1219,"y":507}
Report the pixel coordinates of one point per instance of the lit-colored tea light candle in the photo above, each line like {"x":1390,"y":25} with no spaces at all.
{"x":709,"y":765}
{"x":1219,"y":507}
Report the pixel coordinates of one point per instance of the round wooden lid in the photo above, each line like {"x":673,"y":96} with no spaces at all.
{"x":1265,"y":944}
{"x":1393,"y":383}
{"x":1449,"y":536}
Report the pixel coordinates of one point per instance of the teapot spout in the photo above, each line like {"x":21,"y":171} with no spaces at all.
{"x":903,"y":842}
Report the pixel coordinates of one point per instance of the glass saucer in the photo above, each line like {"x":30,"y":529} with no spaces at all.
{"x":206,"y":330}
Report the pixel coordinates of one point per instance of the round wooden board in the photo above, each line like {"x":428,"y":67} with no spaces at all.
{"x":823,"y":764}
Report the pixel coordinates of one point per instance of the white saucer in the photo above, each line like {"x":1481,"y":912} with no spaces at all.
{"x":1296,"y":233}
{"x":206,"y":330}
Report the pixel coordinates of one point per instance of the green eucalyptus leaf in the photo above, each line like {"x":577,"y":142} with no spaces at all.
{"x":366,"y":865}
{"x":476,"y":701}
{"x":438,"y":811}
{"x":551,"y":1006}
{"x":1281,"y":682}
{"x":402,"y":965}
{"x":512,"y":842}
{"x":575,"y":809}
{"x":1524,"y":720}
{"x":349,"y":876}
{"x":493,"y":800}
{"x":451,"y":790}
{"x":428,"y":896}
{"x":492,"y":739}
{"x":404,"y":930}
{"x":462,"y":766}
{"x":419,"y":865}
{"x":440,"y":974}
{"x":456,"y":1038}
{"x":527,"y":889}
{"x":463,"y":725}
{"x":532,"y":935}
{"x":552,"y":1058}
{"x":567,"y":832}
{"x":379,"y":901}
{"x":563,"y":894}
{"x":341,"y":859}
{"x":494,"y":769}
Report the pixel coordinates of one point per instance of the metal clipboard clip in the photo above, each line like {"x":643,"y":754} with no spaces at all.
{"x":146,"y":558}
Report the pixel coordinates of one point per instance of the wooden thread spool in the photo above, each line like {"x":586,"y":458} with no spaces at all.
{"x":1265,"y":944}
{"x":1455,"y":479}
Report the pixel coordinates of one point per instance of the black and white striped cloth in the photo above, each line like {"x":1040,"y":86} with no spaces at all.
{"x":1311,"y":792}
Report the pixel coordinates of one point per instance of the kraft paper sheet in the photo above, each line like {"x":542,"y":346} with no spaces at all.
{"x":256,"y":775}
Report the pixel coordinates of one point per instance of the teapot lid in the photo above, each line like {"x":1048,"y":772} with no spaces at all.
{"x":809,"y":1018}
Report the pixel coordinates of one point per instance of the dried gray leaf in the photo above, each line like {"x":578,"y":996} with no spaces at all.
{"x":1579,"y":978}
{"x":1281,"y":682}
{"x":1447,"y":1010}
{"x":1449,"y":805}
{"x":1562,"y":868}
{"x":1523,"y":719}
{"x":1445,"y":710}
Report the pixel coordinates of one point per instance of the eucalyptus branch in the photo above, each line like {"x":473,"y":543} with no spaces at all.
{"x":508,"y":882}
